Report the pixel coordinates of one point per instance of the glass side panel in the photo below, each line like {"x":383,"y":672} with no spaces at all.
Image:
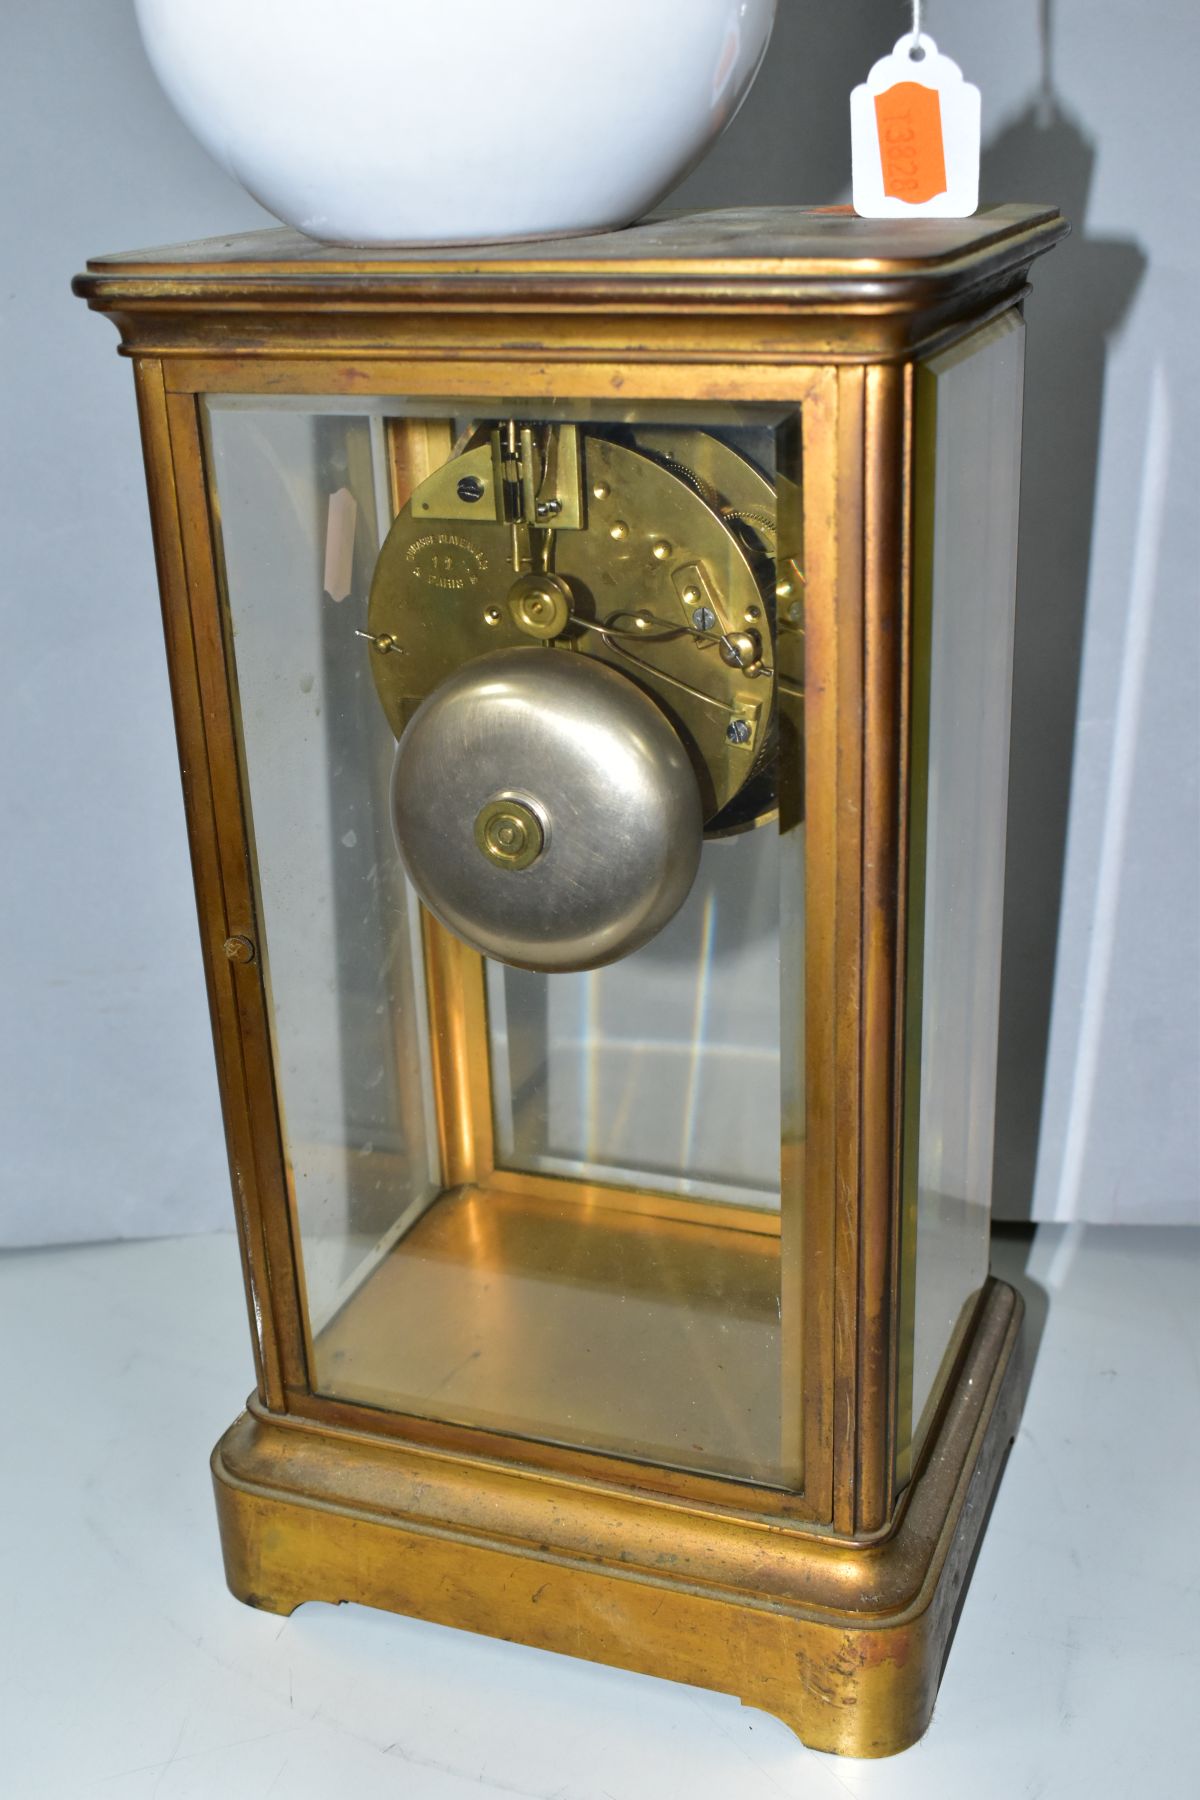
{"x":968,"y":473}
{"x":549,"y":1205}
{"x":341,"y":942}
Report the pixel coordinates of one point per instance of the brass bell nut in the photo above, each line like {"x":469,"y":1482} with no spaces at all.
{"x":509,"y":833}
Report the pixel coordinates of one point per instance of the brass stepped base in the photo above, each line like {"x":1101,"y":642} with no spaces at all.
{"x":844,"y":1642}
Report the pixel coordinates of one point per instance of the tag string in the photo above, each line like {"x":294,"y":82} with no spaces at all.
{"x":917,"y":10}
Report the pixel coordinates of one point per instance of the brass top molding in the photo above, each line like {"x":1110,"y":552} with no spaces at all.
{"x":893,"y":284}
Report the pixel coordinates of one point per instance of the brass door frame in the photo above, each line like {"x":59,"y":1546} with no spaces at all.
{"x":839,"y":1273}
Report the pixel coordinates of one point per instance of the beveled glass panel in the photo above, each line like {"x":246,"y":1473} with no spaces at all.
{"x":340,"y":935}
{"x":547,"y":1205}
{"x":968,"y":472}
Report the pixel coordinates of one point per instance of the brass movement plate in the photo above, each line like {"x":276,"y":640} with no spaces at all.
{"x":661,"y":561}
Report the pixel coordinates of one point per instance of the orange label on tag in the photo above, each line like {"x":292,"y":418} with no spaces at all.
{"x":909,"y":118}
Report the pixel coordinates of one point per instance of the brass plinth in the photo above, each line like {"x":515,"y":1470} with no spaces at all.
{"x":844,"y":1644}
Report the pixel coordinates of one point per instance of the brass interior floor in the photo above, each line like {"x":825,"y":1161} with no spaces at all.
{"x":573,"y":1323}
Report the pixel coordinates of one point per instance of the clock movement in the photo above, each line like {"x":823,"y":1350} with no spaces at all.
{"x":591,"y":666}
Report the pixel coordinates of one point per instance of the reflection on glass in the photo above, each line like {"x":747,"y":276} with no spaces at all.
{"x":662,"y":1069}
{"x":969,"y":402}
{"x":341,"y":945}
{"x":549,"y":1206}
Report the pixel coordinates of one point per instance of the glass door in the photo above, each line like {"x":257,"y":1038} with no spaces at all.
{"x":547,"y":1202}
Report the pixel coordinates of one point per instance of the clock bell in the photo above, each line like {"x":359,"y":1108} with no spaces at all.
{"x":591,"y":666}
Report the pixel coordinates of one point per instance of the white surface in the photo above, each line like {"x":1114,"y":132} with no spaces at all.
{"x":99,"y":961}
{"x":397,"y":121}
{"x":129,"y":1671}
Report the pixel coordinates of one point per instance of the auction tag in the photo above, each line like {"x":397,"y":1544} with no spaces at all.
{"x":914,"y":136}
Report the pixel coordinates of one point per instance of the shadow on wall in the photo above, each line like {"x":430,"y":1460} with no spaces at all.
{"x":1081,"y":293}
{"x":790,"y":144}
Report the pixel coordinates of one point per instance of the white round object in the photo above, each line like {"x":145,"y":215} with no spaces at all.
{"x":456,"y":121}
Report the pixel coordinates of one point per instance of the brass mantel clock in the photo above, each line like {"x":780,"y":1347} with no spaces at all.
{"x":591,"y":669}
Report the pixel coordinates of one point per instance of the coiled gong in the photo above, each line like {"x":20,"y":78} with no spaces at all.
{"x":545,"y":810}
{"x":574,"y":641}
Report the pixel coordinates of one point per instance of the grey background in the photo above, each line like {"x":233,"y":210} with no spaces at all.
{"x":108,"y":1114}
